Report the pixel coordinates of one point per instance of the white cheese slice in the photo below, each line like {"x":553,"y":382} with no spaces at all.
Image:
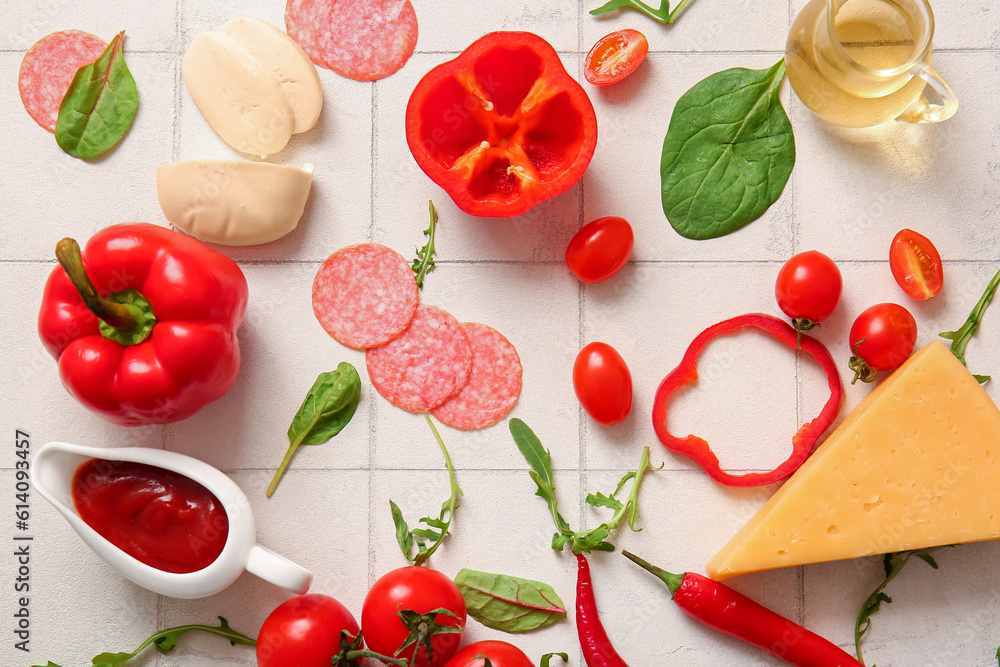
{"x":287,"y":63}
{"x":237,"y":95}
{"x":233,"y":202}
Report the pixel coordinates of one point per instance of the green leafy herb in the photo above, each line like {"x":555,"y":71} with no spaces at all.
{"x":434,"y":529}
{"x":165,"y":640}
{"x":592,"y":539}
{"x":728,"y":152}
{"x":894,"y":563}
{"x":424,"y":263}
{"x":99,"y":105}
{"x":663,"y":14}
{"x":326,"y":410}
{"x":960,"y":339}
{"x":507,"y":603}
{"x":565,"y":658}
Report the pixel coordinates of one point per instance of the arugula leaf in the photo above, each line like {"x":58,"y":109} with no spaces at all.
{"x":960,"y":338}
{"x":424,"y":263}
{"x":507,"y":603}
{"x":98,"y":108}
{"x":326,"y":410}
{"x":663,"y":14}
{"x":894,"y":564}
{"x":541,"y":463}
{"x":165,"y":640}
{"x":728,"y":152}
{"x":435,"y":530}
{"x":592,"y":539}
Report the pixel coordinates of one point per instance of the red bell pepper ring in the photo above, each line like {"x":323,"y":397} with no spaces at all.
{"x":721,"y":608}
{"x":144,"y":323}
{"x":803,"y":440}
{"x":503,"y":126}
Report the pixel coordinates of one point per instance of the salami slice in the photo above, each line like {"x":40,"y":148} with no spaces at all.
{"x":426,"y":365}
{"x":494,"y":383}
{"x":361,"y":39}
{"x":364,"y":295}
{"x":48,"y":69}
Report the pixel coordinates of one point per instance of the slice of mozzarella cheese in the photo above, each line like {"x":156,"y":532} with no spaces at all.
{"x":233,"y":202}
{"x":287,"y":63}
{"x":239,"y":98}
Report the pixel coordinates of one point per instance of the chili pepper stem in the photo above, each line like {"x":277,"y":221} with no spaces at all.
{"x":673,"y":581}
{"x":126,"y":317}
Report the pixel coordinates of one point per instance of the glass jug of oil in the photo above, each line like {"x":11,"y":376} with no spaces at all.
{"x":859,"y":63}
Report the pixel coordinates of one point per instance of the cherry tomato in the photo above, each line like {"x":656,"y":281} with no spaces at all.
{"x":418,"y":589}
{"x":603,"y":383}
{"x":889,"y":332}
{"x":615,"y":56}
{"x":808,"y":286}
{"x":304,"y":632}
{"x":501,"y":654}
{"x":600,"y":249}
{"x":916,"y":265}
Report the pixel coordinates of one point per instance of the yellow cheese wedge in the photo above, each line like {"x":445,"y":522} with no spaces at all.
{"x":239,"y":98}
{"x":233,"y":202}
{"x":287,"y":63}
{"x":916,"y":464}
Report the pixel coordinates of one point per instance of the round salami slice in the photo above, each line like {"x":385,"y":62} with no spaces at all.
{"x":364,"y":295}
{"x":494,"y":383}
{"x":361,"y":39}
{"x":48,"y":69}
{"x":426,"y":365}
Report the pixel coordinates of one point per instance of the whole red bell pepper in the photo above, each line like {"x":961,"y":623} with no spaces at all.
{"x":143,"y":323}
{"x":503,"y":126}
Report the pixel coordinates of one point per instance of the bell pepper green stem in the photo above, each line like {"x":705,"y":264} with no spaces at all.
{"x":126,"y":316}
{"x":673,"y":581}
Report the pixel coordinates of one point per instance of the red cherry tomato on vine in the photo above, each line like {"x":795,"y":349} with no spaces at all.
{"x":889,"y":333}
{"x":600,"y":249}
{"x":916,"y":265}
{"x":808,"y":286}
{"x":304,"y":632}
{"x":615,"y":56}
{"x":603,"y":383}
{"x":419,"y":589}
{"x":501,"y":654}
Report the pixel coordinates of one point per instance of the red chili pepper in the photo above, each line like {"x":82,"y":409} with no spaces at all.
{"x":144,"y":323}
{"x":503,"y":126}
{"x":686,"y":372}
{"x":723,"y":609}
{"x":597,"y":648}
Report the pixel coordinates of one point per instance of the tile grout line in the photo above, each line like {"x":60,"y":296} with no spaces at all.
{"x":581,"y":298}
{"x":372,"y":404}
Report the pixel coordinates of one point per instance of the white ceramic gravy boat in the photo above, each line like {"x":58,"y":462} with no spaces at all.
{"x":52,"y":472}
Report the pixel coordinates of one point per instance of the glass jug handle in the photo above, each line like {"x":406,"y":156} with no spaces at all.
{"x":922,"y":111}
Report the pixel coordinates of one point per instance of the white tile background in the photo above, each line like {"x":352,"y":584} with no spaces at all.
{"x":848,"y":195}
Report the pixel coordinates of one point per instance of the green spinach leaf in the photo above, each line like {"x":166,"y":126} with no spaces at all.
{"x":728,"y":152}
{"x":99,"y":105}
{"x":326,"y":410}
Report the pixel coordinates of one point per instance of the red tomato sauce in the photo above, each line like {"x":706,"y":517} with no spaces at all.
{"x":159,"y":517}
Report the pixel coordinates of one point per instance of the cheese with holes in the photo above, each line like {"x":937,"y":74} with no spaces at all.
{"x":916,"y":464}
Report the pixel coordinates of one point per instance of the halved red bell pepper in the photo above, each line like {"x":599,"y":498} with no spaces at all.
{"x":686,"y":372}
{"x":503,"y":126}
{"x":143,"y":323}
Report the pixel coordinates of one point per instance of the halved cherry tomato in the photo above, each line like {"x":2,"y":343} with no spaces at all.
{"x":600,"y":249}
{"x":808,"y":287}
{"x":603,"y":383}
{"x":615,"y":56}
{"x":889,"y":333}
{"x":304,"y":632}
{"x":916,"y":265}
{"x":500,"y":654}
